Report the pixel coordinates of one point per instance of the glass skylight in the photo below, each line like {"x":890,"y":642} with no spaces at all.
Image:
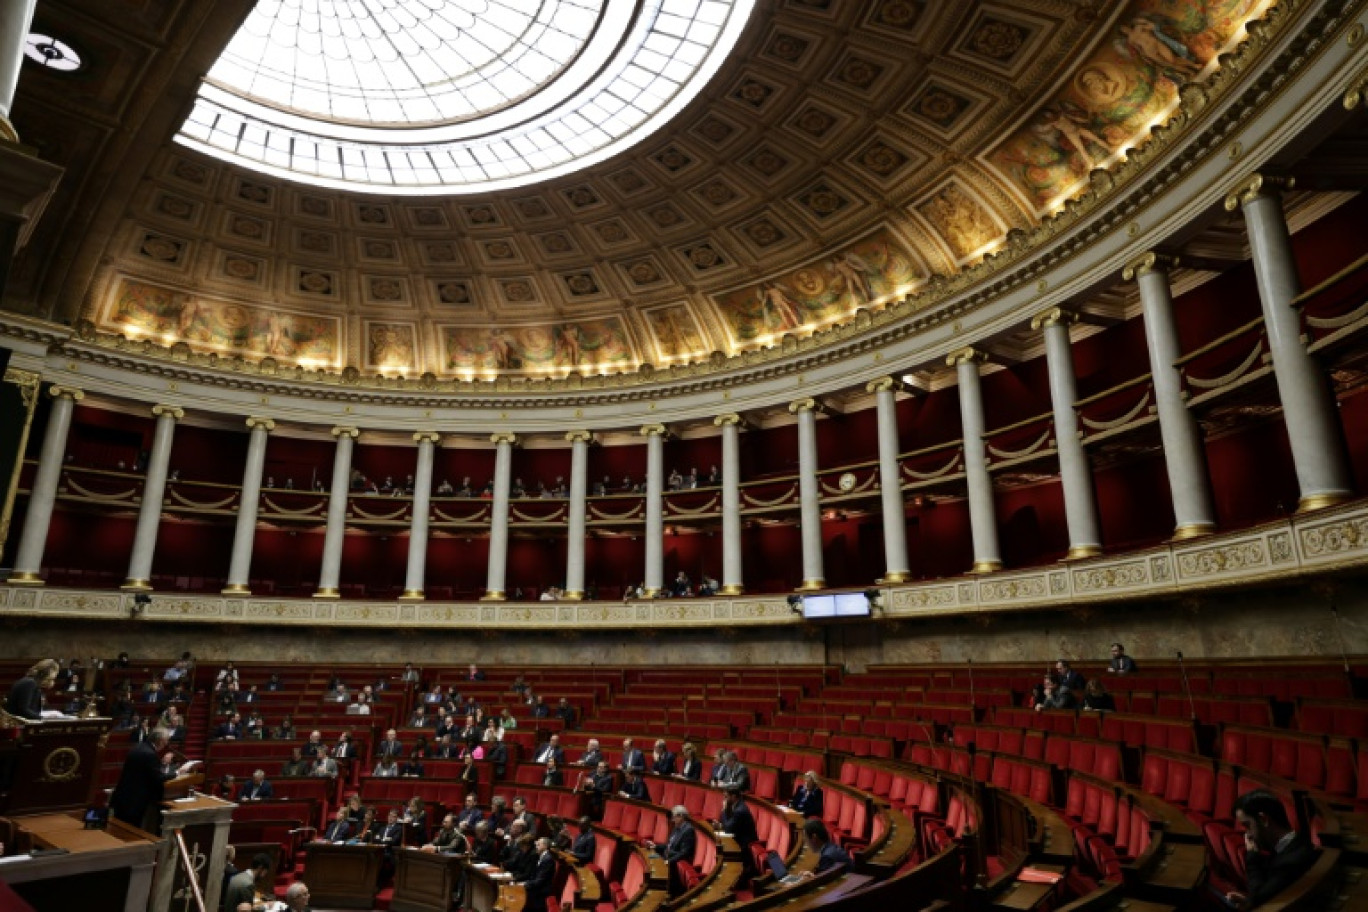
{"x":453,"y":96}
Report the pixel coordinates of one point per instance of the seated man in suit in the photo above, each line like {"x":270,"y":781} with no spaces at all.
{"x":256,"y":790}
{"x":634,"y":787}
{"x":592,"y":754}
{"x":339,"y":830}
{"x":483,"y":848}
{"x":553,"y":776}
{"x":522,"y":815}
{"x":471,"y":816}
{"x":230,"y":730}
{"x":1277,"y":854}
{"x":599,"y":785}
{"x":807,"y":798}
{"x":448,"y":840}
{"x":345,"y":750}
{"x":543,"y":878}
{"x":662,"y":761}
{"x":391,"y":835}
{"x":632,"y":759}
{"x":324,"y":766}
{"x":297,"y":765}
{"x":584,"y":845}
{"x":391,"y":745}
{"x":735,"y":774}
{"x":740,"y":823}
{"x":829,"y":854}
{"x":550,"y":750}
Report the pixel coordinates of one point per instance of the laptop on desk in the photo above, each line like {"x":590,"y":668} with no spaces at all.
{"x":780,"y":870}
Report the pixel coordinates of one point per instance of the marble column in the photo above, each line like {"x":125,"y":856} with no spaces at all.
{"x":416,"y":571}
{"x":576,"y":526}
{"x":16,"y":18}
{"x":495,"y":578}
{"x":153,"y":494}
{"x":244,"y":533}
{"x":1184,"y":452}
{"x":1309,"y":407}
{"x":1075,"y":475}
{"x":330,"y":574}
{"x":982,"y":514}
{"x":655,"y":508}
{"x":732,"y":579}
{"x":896,"y":567}
{"x":809,"y":495}
{"x":33,"y":538}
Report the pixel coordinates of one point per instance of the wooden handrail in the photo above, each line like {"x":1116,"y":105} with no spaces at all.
{"x":1025,"y":422}
{"x":1097,"y":397}
{"x":1335,"y":279}
{"x":1218,"y":342}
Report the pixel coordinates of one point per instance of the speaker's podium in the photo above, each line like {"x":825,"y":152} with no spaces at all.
{"x":47,"y":780}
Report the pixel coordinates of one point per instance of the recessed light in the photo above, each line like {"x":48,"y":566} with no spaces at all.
{"x":52,"y":53}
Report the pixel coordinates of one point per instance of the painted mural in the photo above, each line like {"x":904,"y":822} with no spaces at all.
{"x":1130,"y":82}
{"x":676,"y":332}
{"x":965,"y":224}
{"x":825,"y":289}
{"x":148,"y":310}
{"x":600,"y":343}
{"x":391,"y":345}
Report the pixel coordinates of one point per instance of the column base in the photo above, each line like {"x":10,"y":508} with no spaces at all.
{"x":494,"y":595}
{"x":235,"y":589}
{"x":26,"y":578}
{"x":412,"y":595}
{"x":811,"y":585}
{"x":327,"y":593}
{"x":650,"y":593}
{"x":1082,"y":552}
{"x":136,"y":585}
{"x":1192,"y":530}
{"x":732,"y":589}
{"x":1314,"y":502}
{"x":572,"y":595}
{"x":894,"y":577}
{"x":986,"y":566}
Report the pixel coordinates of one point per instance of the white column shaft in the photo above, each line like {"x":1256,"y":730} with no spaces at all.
{"x":1184,"y":452}
{"x":330,"y":573}
{"x":1313,"y":426}
{"x":982,"y":514}
{"x":16,"y":18}
{"x":890,"y":488}
{"x":731,"y":509}
{"x":1075,"y":475}
{"x":576,"y":526}
{"x":498,"y":522}
{"x":655,"y":512}
{"x":33,"y":539}
{"x":153,"y":494}
{"x":809,"y":501}
{"x":416,"y":571}
{"x":244,"y":533}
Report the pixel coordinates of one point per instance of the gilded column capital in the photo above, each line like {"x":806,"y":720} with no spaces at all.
{"x":66,"y":392}
{"x":1054,"y":316}
{"x":650,"y":430}
{"x":727,"y":420}
{"x":173,"y":411}
{"x":580,"y":436}
{"x":507,"y":437}
{"x":1257,"y":186}
{"x":1147,"y":262}
{"x":969,"y":355}
{"x":266,"y":424}
{"x":351,"y":432}
{"x":806,"y":404}
{"x":883,"y":385}
{"x":427,"y":436}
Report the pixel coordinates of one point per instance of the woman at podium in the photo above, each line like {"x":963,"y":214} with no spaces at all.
{"x":25,"y":698}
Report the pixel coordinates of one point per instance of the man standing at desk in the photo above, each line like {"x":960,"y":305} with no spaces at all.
{"x":142,"y":784}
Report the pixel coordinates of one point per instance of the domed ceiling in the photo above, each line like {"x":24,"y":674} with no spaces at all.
{"x":841,"y":156}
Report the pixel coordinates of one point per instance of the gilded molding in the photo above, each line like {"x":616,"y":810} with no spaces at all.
{"x":731,"y":418}
{"x":66,"y":392}
{"x":968,"y":355}
{"x":1054,"y":316}
{"x":883,"y":385}
{"x":351,"y":432}
{"x":1150,"y":261}
{"x":427,"y":437}
{"x":174,"y":412}
{"x":580,"y":436}
{"x":653,"y":429}
{"x":503,"y":437}
{"x":807,"y":404}
{"x":266,"y":424}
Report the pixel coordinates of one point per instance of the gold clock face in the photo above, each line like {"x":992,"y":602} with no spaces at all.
{"x":62,"y":765}
{"x":847,"y":482}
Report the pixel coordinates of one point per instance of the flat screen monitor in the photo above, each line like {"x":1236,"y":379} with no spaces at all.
{"x":819,"y":606}
{"x":852,"y":604}
{"x":839,"y":605}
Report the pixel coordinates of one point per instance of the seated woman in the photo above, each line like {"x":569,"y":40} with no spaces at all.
{"x":387,"y":768}
{"x":807,"y":798}
{"x":1096,"y":698}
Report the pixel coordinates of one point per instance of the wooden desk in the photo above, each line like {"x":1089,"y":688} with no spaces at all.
{"x":105,"y":870}
{"x":342,"y":876}
{"x":425,"y":881}
{"x":1024,"y":896}
{"x":1177,"y":870}
{"x":483,"y":887}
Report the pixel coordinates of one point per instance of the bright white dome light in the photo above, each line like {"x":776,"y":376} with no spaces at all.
{"x":453,"y":96}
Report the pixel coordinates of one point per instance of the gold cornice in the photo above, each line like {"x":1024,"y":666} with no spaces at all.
{"x":731,"y":418}
{"x":67,"y":392}
{"x":351,"y":432}
{"x":266,"y":424}
{"x":580,"y":436}
{"x":1257,"y":186}
{"x":648,"y":430}
{"x":499,"y":437}
{"x":1054,"y":316}
{"x":806,"y":404}
{"x":883,"y":385}
{"x":427,"y":437}
{"x":175,"y":412}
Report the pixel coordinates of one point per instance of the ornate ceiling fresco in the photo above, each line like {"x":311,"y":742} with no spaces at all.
{"x":844,"y":155}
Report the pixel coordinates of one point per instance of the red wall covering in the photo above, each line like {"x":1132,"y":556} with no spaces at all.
{"x":1251,"y":471}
